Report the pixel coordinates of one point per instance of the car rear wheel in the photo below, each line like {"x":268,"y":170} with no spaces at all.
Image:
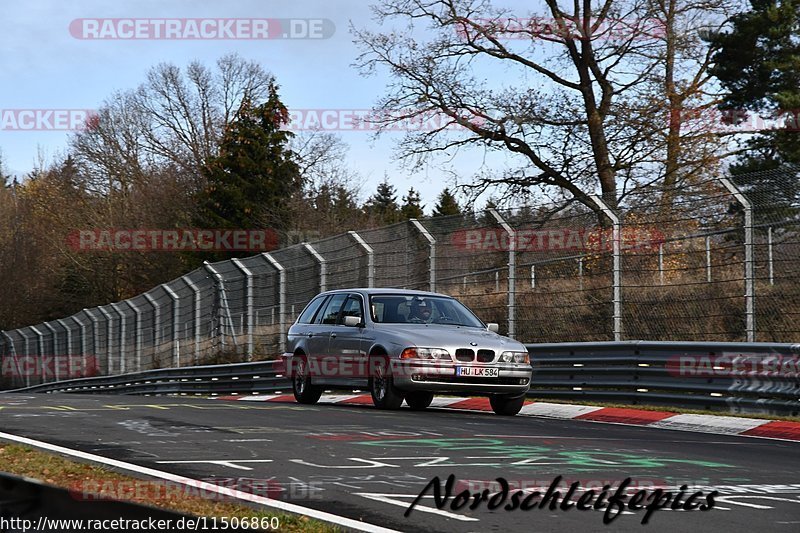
{"x":304,"y":391}
{"x":384,"y":394}
{"x":506,"y":405}
{"x":418,"y":401}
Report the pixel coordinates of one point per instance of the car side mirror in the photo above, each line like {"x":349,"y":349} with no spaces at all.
{"x":352,"y":321}
{"x":493,"y":327}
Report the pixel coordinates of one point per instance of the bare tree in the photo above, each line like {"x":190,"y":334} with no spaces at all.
{"x":175,"y":119}
{"x":559,"y":94}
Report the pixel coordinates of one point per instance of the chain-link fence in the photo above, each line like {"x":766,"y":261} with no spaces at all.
{"x":707,"y":261}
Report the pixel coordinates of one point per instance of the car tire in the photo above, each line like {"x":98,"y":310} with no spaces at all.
{"x":304,"y":391}
{"x":419,"y":400}
{"x":381,"y":385}
{"x":506,"y":405}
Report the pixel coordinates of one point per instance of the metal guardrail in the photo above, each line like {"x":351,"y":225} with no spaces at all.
{"x":239,"y":378}
{"x":735,"y":377}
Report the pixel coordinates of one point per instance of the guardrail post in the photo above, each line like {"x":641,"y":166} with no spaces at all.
{"x":323,"y":266}
{"x":109,"y":337}
{"x":196,"y":292}
{"x":749,"y":282}
{"x":281,"y":298}
{"x":52,"y":330}
{"x":617,"y":274}
{"x":122,"y":363}
{"x":370,"y":257}
{"x":431,"y":252}
{"x":176,"y":343}
{"x":249,"y":302}
{"x":40,"y":350}
{"x":138,"y":333}
{"x":512,"y":269}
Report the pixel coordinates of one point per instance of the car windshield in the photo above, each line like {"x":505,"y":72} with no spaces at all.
{"x":411,"y":309}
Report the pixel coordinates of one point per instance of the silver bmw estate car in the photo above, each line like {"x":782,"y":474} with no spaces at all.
{"x":403,"y":345}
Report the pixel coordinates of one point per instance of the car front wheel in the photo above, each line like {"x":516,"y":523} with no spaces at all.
{"x":418,"y":401}
{"x":506,"y":405}
{"x":384,"y":394}
{"x":304,"y":391}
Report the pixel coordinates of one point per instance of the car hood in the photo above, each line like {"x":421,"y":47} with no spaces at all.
{"x":446,"y":336}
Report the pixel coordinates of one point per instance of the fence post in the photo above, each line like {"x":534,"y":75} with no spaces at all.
{"x":52,"y":331}
{"x":26,"y":346}
{"x":708,"y":259}
{"x":68,"y":351}
{"x":512,"y":267}
{"x":109,"y":338}
{"x":196,"y":292}
{"x":249,"y":303}
{"x":122,"y":363}
{"x":617,"y":274}
{"x":39,"y":350}
{"x":137,"y":333}
{"x":82,"y":327}
{"x":323,"y":266}
{"x":749,"y":284}
{"x":222,"y":309}
{"x":769,"y":254}
{"x":431,"y":252}
{"x":95,"y":336}
{"x":176,"y":346}
{"x":281,"y":299}
{"x":12,"y":351}
{"x":156,"y":325}
{"x":370,"y":257}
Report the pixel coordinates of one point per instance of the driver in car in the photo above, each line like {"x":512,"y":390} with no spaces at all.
{"x":420,"y":312}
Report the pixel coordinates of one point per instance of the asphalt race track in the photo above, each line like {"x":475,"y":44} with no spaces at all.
{"x":370,"y":465}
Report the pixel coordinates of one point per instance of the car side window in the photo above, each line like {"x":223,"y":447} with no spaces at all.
{"x":307,"y":316}
{"x":352,"y":307}
{"x":331,"y":312}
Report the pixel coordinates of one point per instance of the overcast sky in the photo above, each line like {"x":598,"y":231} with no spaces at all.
{"x":45,"y":67}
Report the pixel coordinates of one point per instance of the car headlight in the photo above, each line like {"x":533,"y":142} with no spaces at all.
{"x":425,"y":353}
{"x":515,"y":357}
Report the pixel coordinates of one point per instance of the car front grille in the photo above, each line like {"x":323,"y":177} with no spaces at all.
{"x":465,"y":354}
{"x":485,"y":356}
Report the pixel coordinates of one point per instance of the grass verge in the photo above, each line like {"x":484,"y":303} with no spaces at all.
{"x":76,"y":476}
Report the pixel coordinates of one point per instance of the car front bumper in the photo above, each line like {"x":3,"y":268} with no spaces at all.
{"x":437,"y":376}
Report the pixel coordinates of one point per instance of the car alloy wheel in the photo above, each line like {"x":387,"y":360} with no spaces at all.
{"x":384,"y":394}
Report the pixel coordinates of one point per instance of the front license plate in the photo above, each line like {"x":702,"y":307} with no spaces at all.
{"x":474,"y":371}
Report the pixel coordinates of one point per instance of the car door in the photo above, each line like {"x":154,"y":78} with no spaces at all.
{"x":318,"y":337}
{"x":298,"y":332}
{"x":346,"y":344}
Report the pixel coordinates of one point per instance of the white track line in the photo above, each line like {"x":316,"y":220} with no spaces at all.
{"x":210,"y":487}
